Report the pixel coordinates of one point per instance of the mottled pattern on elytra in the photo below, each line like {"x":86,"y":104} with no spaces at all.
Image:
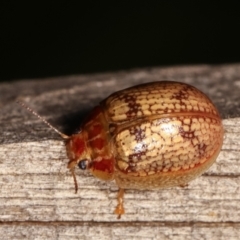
{"x":163,"y":179}
{"x":154,"y":99}
{"x":162,"y":127}
{"x":167,"y":144}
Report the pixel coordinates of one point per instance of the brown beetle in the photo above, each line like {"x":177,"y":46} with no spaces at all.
{"x":150,"y":136}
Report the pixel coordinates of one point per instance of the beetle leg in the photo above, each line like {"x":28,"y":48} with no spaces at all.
{"x":120,"y":209}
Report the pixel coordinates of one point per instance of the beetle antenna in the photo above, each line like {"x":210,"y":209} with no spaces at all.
{"x":64,"y":136}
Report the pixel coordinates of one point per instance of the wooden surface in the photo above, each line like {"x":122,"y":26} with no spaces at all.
{"x":37,"y":199}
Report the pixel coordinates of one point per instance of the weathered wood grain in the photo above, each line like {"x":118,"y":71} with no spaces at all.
{"x":37,"y":199}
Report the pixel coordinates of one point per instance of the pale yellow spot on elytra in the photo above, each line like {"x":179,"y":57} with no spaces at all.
{"x":186,"y":121}
{"x":197,"y":133}
{"x":148,"y":132}
{"x":204,"y":131}
{"x":175,"y":159}
{"x":190,"y":155}
{"x":154,"y":107}
{"x":167,"y":141}
{"x":195,"y":141}
{"x":174,"y":169}
{"x":193,"y":102}
{"x":195,"y":108}
{"x":192,"y":165}
{"x":185,"y":128}
{"x":185,"y":167}
{"x":177,"y":106}
{"x":147,"y":112}
{"x":205,"y":137}
{"x":156,"y":137}
{"x":206,"y":125}
{"x":155,"y":128}
{"x":167,"y":95}
{"x":177,"y":139}
{"x":152,"y":153}
{"x":151,"y":101}
{"x":145,"y":106}
{"x":176,"y":123}
{"x":183,"y":157}
{"x":195,"y":126}
{"x":175,"y":164}
{"x":167,"y":156}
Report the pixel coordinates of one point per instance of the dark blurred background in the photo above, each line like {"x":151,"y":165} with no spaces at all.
{"x":60,"y":38}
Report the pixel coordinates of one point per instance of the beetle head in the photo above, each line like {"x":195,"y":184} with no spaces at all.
{"x":77,"y":151}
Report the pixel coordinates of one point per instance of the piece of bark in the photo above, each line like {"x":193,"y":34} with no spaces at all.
{"x":37,"y":192}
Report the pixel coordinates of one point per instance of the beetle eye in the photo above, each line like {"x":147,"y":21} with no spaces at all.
{"x":83,"y":164}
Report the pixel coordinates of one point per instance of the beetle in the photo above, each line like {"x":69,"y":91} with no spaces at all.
{"x":150,"y":136}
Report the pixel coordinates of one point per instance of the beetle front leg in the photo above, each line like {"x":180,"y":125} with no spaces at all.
{"x":120,"y":209}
